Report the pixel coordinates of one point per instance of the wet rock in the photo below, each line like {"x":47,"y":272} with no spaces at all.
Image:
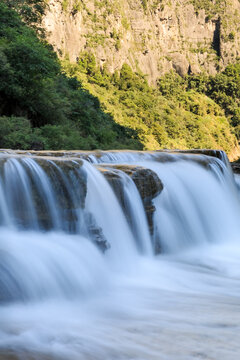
{"x":95,"y":232}
{"x":236,"y":167}
{"x":19,"y":354}
{"x":148,"y":183}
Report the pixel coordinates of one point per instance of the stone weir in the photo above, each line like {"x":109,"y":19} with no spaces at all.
{"x":85,"y":154}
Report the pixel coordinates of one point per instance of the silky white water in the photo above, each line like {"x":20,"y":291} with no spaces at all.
{"x":63,"y":298}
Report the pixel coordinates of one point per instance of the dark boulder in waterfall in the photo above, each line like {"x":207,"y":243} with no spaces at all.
{"x":95,"y":232}
{"x":236,"y":167}
{"x":147,"y":182}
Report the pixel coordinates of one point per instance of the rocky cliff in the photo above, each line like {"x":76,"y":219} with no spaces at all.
{"x":153,"y":36}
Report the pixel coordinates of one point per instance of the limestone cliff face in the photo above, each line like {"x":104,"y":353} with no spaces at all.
{"x":153,"y":36}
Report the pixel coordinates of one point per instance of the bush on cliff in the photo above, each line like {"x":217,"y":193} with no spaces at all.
{"x":224,"y":89}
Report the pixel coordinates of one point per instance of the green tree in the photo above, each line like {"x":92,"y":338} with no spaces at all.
{"x":31,"y":11}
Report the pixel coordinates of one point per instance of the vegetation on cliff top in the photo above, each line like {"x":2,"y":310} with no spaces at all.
{"x":173,"y":115}
{"x":45,"y":104}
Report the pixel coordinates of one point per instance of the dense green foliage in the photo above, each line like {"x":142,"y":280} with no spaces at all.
{"x":15,"y":132}
{"x":224,"y":89}
{"x":58,"y":112}
{"x":173,"y":115}
{"x":31,"y":11}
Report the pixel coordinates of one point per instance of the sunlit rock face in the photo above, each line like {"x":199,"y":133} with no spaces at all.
{"x":156,"y":38}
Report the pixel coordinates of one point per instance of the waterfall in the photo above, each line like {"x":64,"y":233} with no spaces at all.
{"x":88,"y":237}
{"x":199,"y":204}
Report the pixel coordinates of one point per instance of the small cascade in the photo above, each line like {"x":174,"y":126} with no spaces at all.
{"x":132,"y":204}
{"x":42,"y":194}
{"x":193,"y":204}
{"x":4,"y":208}
{"x":103,"y":204}
{"x":17,"y":187}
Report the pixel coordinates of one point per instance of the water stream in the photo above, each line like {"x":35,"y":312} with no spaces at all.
{"x":63,"y":297}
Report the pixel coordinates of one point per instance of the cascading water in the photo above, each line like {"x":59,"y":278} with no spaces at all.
{"x":78,"y":279}
{"x":136,"y":215}
{"x":191,"y":207}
